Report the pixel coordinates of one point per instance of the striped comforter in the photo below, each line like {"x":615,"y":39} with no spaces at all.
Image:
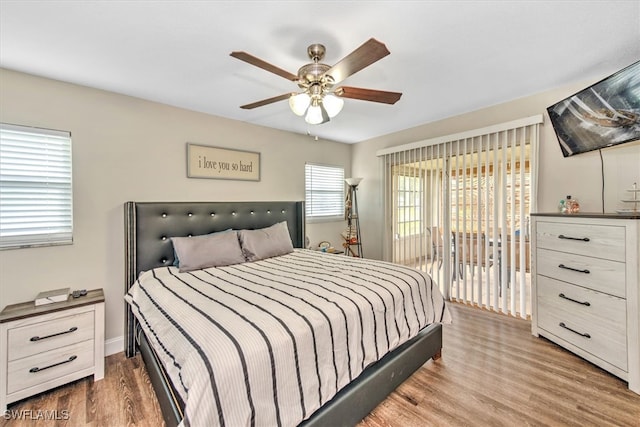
{"x":267,"y":343}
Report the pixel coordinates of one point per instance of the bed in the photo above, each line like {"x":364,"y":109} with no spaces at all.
{"x":374,"y":366}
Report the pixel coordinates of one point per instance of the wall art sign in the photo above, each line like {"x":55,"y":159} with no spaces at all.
{"x":222,"y":163}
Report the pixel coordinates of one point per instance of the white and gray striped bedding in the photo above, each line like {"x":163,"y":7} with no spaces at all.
{"x":267,"y":343}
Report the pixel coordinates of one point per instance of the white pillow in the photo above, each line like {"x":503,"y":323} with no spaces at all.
{"x":214,"y":250}
{"x":266,"y":242}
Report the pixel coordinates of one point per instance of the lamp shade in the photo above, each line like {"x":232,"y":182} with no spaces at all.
{"x":316,"y":114}
{"x":353,"y":182}
{"x":332,"y":104}
{"x":299,"y":103}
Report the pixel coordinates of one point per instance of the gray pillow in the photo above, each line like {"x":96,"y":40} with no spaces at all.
{"x":176,"y":260}
{"x":215,"y":250}
{"x":266,"y":242}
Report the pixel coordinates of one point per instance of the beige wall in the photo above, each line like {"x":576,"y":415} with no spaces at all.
{"x":578,"y":176}
{"x":129,"y":149}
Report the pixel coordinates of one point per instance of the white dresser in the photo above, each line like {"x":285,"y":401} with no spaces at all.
{"x":45,"y":346}
{"x":586,"y":288}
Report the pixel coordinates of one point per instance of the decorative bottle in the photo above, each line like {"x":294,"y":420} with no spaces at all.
{"x":562,"y":207}
{"x":572,"y":205}
{"x":575,"y":207}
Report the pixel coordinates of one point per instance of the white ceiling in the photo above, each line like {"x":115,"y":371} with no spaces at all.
{"x":447,"y":57}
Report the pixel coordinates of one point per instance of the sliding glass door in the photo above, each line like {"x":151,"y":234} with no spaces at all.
{"x":459,"y":210}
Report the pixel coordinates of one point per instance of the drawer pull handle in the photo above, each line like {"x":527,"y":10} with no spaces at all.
{"x":585,"y":271}
{"x":582,"y":239}
{"x":70,"y":359}
{"x":587,"y":303}
{"x":562,"y":325}
{"x":37,"y":338}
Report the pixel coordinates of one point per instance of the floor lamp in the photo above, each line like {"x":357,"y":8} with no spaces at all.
{"x":353,"y":244}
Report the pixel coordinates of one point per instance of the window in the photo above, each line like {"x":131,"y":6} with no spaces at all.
{"x":35,"y":187}
{"x":409,"y":205}
{"x":467,"y":184}
{"x":324,"y":192}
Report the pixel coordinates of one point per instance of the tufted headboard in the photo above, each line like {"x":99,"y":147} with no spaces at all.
{"x":150,"y":225}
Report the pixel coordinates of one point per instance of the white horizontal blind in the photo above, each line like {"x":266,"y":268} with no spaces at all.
{"x":324,"y":192}
{"x":35,"y":187}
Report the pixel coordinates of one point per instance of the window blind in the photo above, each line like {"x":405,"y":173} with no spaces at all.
{"x":35,"y":187}
{"x":324,"y":192}
{"x":467,"y":222}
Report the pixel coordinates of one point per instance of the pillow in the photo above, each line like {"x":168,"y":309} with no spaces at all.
{"x":266,"y":242}
{"x":212,"y":250}
{"x":176,"y":260}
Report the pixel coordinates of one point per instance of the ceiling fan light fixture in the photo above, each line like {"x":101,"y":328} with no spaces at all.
{"x":319,"y":101}
{"x":332,"y":104}
{"x":316,"y":114}
{"x":299,"y":103}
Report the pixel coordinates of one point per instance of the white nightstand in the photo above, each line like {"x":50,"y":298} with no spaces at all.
{"x":49,"y":345}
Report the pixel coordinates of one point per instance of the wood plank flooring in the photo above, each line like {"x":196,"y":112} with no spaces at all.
{"x":123,"y":398}
{"x":493,"y":372}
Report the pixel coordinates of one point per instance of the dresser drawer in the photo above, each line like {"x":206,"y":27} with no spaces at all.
{"x":35,"y":370}
{"x":590,"y":320}
{"x":599,"y":274}
{"x":601,"y":241}
{"x":37,"y":337}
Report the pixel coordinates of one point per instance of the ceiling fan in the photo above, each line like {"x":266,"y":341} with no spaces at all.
{"x":319,"y":101}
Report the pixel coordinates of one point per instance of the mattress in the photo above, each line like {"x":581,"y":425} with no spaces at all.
{"x":267,"y":343}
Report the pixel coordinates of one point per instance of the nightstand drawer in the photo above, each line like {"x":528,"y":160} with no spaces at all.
{"x":35,"y":370}
{"x":599,"y":274}
{"x":598,"y":328}
{"x":59,"y":331}
{"x":601,"y":241}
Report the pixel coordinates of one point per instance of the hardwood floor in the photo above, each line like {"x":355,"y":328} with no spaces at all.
{"x":123,"y":398}
{"x":493,"y":372}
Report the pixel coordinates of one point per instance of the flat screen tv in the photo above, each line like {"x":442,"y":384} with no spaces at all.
{"x":602,"y":115}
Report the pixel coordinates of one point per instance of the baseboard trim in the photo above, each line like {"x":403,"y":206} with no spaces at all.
{"x":114,"y":345}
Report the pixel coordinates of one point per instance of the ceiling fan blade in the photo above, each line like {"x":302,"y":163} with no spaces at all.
{"x":244,"y":56}
{"x":266,"y":101}
{"x":368,"y":94}
{"x":371,"y":51}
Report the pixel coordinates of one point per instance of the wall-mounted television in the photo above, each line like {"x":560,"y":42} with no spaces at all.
{"x":604,"y":114}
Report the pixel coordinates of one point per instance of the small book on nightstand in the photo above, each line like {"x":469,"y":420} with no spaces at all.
{"x":56,"y":295}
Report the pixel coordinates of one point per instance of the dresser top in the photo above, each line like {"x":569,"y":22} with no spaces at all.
{"x":610,"y":215}
{"x":29,"y":309}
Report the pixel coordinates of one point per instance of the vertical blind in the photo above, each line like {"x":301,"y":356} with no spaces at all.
{"x":324,"y":191}
{"x":35,"y":187}
{"x":458,"y":208}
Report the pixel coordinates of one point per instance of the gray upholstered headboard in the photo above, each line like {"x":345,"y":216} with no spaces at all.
{"x":150,"y":225}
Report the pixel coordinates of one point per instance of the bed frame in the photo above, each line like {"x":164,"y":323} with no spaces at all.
{"x":148,"y":227}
